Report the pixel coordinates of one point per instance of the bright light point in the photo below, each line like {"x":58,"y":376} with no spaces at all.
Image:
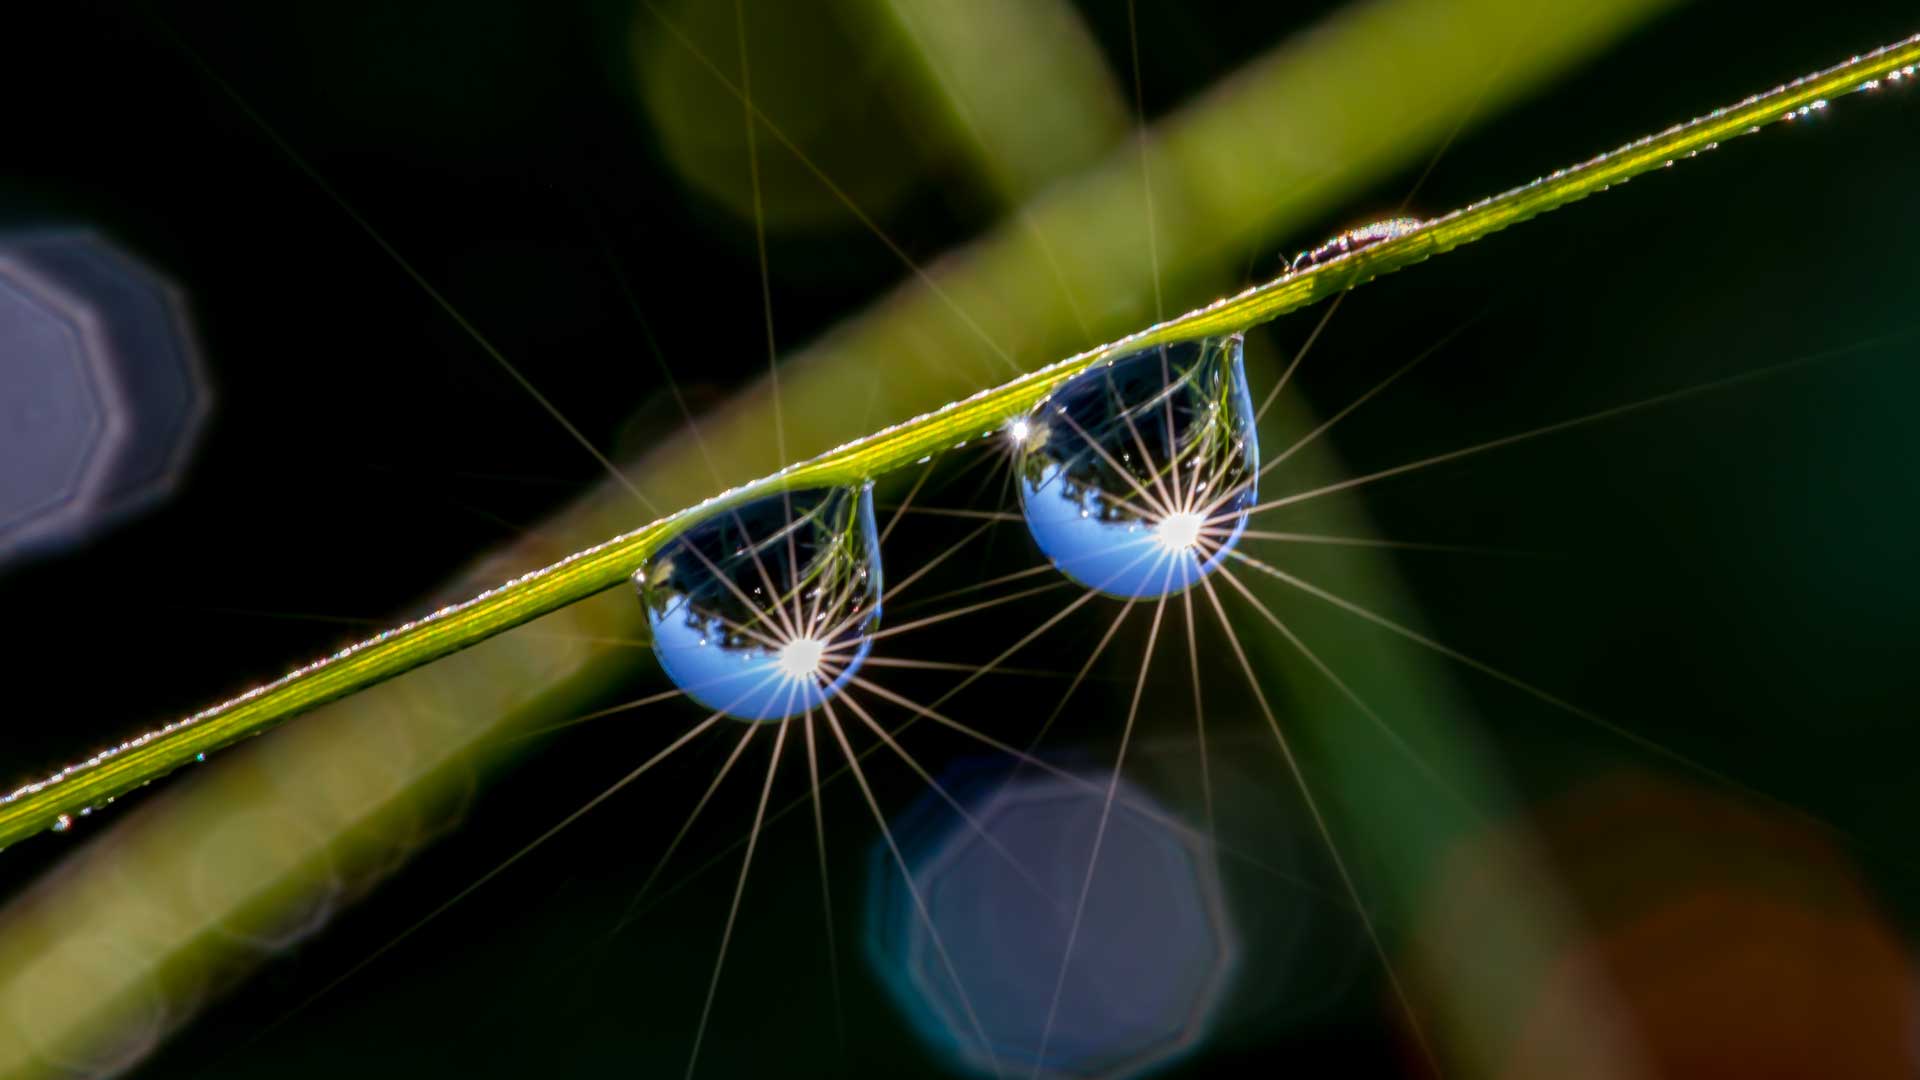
{"x":1018,"y":431}
{"x":1179,"y":532}
{"x":800,"y":658}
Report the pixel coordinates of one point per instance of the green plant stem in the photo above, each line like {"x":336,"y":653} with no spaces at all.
{"x":121,"y":769}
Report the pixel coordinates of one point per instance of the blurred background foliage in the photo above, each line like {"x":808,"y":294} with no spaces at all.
{"x":1729,"y":577}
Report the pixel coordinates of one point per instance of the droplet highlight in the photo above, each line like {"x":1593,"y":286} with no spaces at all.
{"x":1137,"y":476}
{"x":767,"y":610}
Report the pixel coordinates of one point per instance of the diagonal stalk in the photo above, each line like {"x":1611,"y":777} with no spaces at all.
{"x":48,"y":802}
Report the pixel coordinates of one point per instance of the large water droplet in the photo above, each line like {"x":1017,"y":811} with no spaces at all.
{"x":1137,"y":476}
{"x":765,"y":611}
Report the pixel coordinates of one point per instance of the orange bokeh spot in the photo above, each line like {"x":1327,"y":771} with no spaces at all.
{"x":1707,"y":938}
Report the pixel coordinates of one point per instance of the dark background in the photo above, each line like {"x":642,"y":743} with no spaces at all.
{"x":1735,"y":572}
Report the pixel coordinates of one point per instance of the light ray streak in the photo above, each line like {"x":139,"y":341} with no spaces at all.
{"x":1326,"y":833}
{"x":719,"y":777}
{"x":939,"y":789}
{"x":979,"y":515}
{"x":948,"y":665}
{"x":1293,"y":365}
{"x":913,"y":890}
{"x":796,"y":594}
{"x":1156,"y":472}
{"x":826,"y":890}
{"x":1146,"y":174}
{"x":1022,"y":211}
{"x":499,"y":869}
{"x":776,"y":604}
{"x":1006,"y":495}
{"x":597,"y":714}
{"x":925,"y":712}
{"x":1629,"y":408}
{"x":1154,"y":510}
{"x":1142,"y":810}
{"x":1199,"y":712}
{"x":1100,"y":833}
{"x":927,"y":566}
{"x":1637,"y":739}
{"x":760,"y":234}
{"x":1158,"y":508}
{"x":1327,"y":424}
{"x":763,"y":613}
{"x":1081,"y":675}
{"x":926,"y":279}
{"x":907,"y":502}
{"x":1433,"y":162}
{"x":653,"y":348}
{"x":1001,"y":468}
{"x":1024,"y":641}
{"x":1376,"y":542}
{"x":1004,"y":579}
{"x":759,"y":634}
{"x":969,"y":609}
{"x":300,"y":163}
{"x":1007,"y":748}
{"x":739,"y":890}
{"x":1400,"y":743}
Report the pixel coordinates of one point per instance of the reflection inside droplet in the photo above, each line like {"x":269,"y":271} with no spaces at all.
{"x":765,"y":611}
{"x":1136,"y":477}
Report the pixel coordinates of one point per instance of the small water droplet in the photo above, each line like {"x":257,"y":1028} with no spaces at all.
{"x":62,"y":823}
{"x":199,"y":757}
{"x":766,"y":610}
{"x":1138,"y":474}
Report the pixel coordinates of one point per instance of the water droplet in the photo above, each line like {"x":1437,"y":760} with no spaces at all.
{"x":765,"y":611}
{"x":1138,"y":475}
{"x":62,"y":823}
{"x":1354,"y":240}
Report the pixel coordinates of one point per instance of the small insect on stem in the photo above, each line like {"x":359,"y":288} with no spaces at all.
{"x":1353,"y":240}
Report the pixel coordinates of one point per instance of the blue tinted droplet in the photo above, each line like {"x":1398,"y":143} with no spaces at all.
{"x":1136,"y":477}
{"x":766,"y":610}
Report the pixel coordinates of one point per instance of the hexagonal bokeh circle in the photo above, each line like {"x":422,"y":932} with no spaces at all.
{"x":977,"y":973}
{"x":105,"y":391}
{"x":59,"y":423}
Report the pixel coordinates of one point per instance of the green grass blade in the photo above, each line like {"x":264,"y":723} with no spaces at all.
{"x":91,"y":783}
